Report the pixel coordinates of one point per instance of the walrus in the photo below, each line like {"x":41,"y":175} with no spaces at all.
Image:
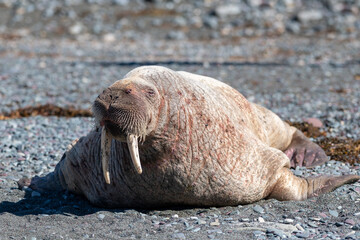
{"x":165,"y":138}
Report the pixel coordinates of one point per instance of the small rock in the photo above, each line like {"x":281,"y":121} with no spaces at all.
{"x":260,"y":219}
{"x":299,"y":227}
{"x":178,"y":236}
{"x":350,"y":221}
{"x":311,"y":224}
{"x":257,"y":233}
{"x":315,"y":122}
{"x":176,"y":35}
{"x":304,"y":234}
{"x":227,"y":10}
{"x":76,"y":28}
{"x":211,"y":22}
{"x":323,"y":215}
{"x":258,"y":209}
{"x":109,"y":37}
{"x":334,"y":213}
{"x":288,"y":220}
{"x":349,"y":234}
{"x":215,"y":223}
{"x":309,"y":15}
{"x":201,"y":222}
{"x":276,"y":232}
{"x":101,"y":216}
{"x":356,"y":227}
{"x":35,"y":194}
{"x":339,"y":224}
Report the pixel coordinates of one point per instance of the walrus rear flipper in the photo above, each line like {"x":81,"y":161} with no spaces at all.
{"x":290,"y":187}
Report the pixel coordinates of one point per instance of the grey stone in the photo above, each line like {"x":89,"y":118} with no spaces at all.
{"x":178,"y":236}
{"x":258,"y":209}
{"x":305,"y":234}
{"x":276,"y":232}
{"x":35,"y":194}
{"x":309,"y":15}
{"x":228,"y":10}
{"x":334,"y":213}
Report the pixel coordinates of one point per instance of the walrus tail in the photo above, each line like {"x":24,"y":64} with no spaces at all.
{"x":290,"y":187}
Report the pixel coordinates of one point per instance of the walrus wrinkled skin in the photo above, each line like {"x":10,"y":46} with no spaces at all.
{"x":166,"y":138}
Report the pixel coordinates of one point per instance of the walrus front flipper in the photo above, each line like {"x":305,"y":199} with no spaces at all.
{"x":49,"y":183}
{"x":290,"y":187}
{"x":52,"y":182}
{"x":303,"y":152}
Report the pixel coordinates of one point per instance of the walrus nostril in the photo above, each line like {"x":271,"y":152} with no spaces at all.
{"x":127,"y":91}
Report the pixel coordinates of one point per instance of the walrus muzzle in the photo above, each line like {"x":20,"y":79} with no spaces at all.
{"x":132,"y":142}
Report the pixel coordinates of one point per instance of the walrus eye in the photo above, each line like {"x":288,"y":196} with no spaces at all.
{"x":150,"y":92}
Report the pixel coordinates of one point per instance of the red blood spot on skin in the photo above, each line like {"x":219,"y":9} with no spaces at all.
{"x":102,"y":123}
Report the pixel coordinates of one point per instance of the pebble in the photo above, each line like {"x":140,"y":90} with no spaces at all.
{"x":258,"y":209}
{"x":215,"y":223}
{"x":101,"y":216}
{"x":178,"y":236}
{"x":310,"y":15}
{"x":334,"y":213}
{"x":201,"y":222}
{"x":35,"y":194}
{"x":288,"y":220}
{"x":299,"y":227}
{"x":227,"y":10}
{"x":339,"y":224}
{"x":350,"y":221}
{"x":312,"y":224}
{"x":305,"y":234}
{"x":276,"y":232}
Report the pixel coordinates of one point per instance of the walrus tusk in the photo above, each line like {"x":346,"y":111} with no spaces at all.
{"x":105,"y":153}
{"x":132,"y":141}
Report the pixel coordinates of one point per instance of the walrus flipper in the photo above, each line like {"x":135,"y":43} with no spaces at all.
{"x":303,"y":152}
{"x":278,"y":134}
{"x":290,"y":187}
{"x":52,"y":182}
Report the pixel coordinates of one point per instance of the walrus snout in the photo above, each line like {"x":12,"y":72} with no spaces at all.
{"x":124,"y":112}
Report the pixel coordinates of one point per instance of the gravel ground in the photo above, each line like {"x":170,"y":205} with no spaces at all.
{"x":65,"y":54}
{"x":294,"y":86}
{"x":175,"y":19}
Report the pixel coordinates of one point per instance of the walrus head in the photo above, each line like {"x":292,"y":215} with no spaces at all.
{"x":125,"y":111}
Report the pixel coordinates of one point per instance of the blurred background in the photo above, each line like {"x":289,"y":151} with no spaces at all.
{"x":115,"y":20}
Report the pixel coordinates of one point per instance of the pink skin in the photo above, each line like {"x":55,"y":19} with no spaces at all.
{"x":304,"y":153}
